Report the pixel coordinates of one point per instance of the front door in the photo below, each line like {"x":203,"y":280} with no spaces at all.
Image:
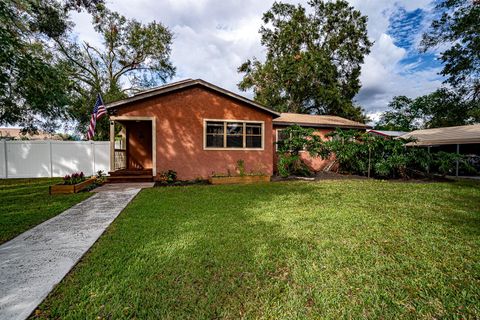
{"x":139,"y":145}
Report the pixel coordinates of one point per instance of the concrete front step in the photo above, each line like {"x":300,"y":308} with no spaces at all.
{"x":130,"y":175}
{"x":144,"y":172}
{"x":123,"y":179}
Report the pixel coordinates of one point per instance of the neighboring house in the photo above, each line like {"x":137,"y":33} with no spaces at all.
{"x":467,"y":137}
{"x":386,"y":133}
{"x":198,"y":129}
{"x":460,"y":139}
{"x":17,"y":134}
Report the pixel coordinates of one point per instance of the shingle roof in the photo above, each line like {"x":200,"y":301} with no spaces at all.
{"x":447,"y":135}
{"x":185,"y":84}
{"x":317,"y":121}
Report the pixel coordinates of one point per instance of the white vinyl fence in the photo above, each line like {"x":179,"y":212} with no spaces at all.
{"x":51,"y":158}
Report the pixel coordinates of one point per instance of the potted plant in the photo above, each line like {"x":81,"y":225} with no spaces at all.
{"x":240,"y":178}
{"x":73,"y":183}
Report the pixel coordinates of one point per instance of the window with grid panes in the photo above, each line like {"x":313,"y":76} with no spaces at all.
{"x":233,"y":135}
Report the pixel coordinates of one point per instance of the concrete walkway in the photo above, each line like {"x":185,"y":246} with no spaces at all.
{"x":35,"y":261}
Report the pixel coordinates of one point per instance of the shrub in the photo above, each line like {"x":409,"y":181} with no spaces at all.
{"x":297,"y":139}
{"x":241,"y":168}
{"x":364,"y":154}
{"x":100,"y":178}
{"x":351,"y":156}
{"x":169,"y":176}
{"x":388,"y":158}
{"x":289,"y":164}
{"x":445,"y":163}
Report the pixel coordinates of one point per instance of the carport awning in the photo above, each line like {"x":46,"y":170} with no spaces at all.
{"x":442,"y":136}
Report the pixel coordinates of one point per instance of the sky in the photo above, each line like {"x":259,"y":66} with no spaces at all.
{"x":212,"y":38}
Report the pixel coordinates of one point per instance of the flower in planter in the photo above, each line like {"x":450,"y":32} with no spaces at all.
{"x":74,"y":178}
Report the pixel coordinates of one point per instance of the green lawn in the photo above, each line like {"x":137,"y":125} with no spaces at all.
{"x":292,"y":250}
{"x":24,"y":203}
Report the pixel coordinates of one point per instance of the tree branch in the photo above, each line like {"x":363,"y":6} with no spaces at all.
{"x":71,"y":59}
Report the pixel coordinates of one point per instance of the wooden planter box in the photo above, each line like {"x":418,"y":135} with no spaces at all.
{"x":71,"y":188}
{"x":239,"y":179}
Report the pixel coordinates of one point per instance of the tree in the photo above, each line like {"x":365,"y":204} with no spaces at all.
{"x":441,"y":108}
{"x":445,"y":108}
{"x":296,"y":139}
{"x":33,"y":81}
{"x":401,"y":116}
{"x":313,"y":60}
{"x":134,"y":56}
{"x":364,"y":154}
{"x":457,"y":26}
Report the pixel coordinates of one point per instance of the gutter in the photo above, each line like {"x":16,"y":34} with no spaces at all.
{"x":316,"y":125}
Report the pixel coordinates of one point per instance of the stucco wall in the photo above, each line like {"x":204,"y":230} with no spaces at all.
{"x":179,"y":132}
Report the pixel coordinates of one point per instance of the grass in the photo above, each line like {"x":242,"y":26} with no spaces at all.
{"x":24,"y":203}
{"x":290,"y":250}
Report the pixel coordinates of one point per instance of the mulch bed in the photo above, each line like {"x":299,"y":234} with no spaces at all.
{"x":320,"y":176}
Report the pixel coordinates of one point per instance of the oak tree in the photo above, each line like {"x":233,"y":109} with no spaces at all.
{"x":131,"y":57}
{"x":457,"y":27}
{"x":441,"y":108}
{"x":313,"y":59}
{"x":34,"y":82}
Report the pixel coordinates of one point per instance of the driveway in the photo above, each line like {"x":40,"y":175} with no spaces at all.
{"x":35,"y":261}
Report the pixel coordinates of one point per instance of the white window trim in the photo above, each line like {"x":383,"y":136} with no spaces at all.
{"x":232,"y":149}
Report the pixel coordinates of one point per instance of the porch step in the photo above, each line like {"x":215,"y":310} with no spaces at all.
{"x":130,"y":178}
{"x":125,"y":172}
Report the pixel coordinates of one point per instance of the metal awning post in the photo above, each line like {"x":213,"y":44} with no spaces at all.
{"x":457,"y":162}
{"x":112,"y":145}
{"x":428,"y":165}
{"x":369,"y":160}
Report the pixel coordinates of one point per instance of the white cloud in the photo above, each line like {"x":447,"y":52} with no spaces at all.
{"x":382,"y":74}
{"x":212,"y":38}
{"x":383,"y":77}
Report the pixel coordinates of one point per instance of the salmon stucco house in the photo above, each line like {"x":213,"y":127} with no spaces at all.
{"x":198,"y":129}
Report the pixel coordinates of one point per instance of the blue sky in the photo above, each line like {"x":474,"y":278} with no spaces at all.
{"x":406,"y":27}
{"x":213,"y":37}
{"x":396,"y":66}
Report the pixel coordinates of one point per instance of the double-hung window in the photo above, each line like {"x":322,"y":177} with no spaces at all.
{"x":233,"y":134}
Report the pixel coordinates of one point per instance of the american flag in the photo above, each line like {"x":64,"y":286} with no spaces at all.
{"x":98,"y":111}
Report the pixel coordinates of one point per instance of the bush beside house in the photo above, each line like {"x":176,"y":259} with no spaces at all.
{"x":363,"y":154}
